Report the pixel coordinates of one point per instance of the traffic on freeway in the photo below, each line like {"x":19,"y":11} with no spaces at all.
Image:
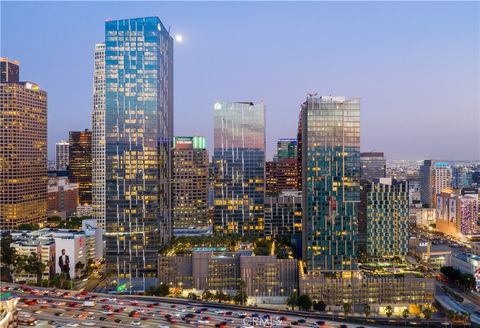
{"x":60,"y":308}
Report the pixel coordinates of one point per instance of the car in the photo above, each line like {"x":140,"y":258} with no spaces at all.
{"x":241,"y":314}
{"x":59,"y":314}
{"x":144,"y":318}
{"x":102,"y":319}
{"x":118,"y":321}
{"x":203,"y":321}
{"x":294,"y":323}
{"x":301,"y":320}
{"x":72,"y":324}
{"x":133,"y":314}
{"x":52,"y":322}
{"x":44,"y":307}
{"x":88,"y":323}
{"x":175,"y":314}
{"x":343,"y":326}
{"x":163,"y":326}
{"x":37,"y":311}
{"x":218,"y":311}
{"x":229,"y":320}
{"x":91,"y":317}
{"x":136,"y":323}
{"x":171,"y":320}
{"x":320,"y":322}
{"x":204,"y":309}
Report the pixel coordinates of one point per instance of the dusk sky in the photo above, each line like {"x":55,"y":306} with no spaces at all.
{"x":415,"y":65}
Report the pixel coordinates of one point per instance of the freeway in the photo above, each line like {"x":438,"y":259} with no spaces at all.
{"x":60,"y":308}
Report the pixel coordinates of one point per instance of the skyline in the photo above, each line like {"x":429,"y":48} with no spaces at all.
{"x":378,"y":65}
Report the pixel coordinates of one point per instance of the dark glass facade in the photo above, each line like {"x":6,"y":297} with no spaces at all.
{"x":373,"y":165}
{"x":138,"y":137}
{"x":286,"y":148}
{"x":80,"y":163}
{"x":331,"y":182}
{"x":239,"y":168}
{"x":9,"y":71}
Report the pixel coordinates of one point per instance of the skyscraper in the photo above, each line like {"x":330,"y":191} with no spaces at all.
{"x":61,"y":155}
{"x":9,"y":70}
{"x":330,"y":182}
{"x":435,"y":176}
{"x":80,"y":163}
{"x":190,"y":183}
{"x":98,"y":136}
{"x":138,"y":141}
{"x":239,"y":159}
{"x":286,"y":148}
{"x":282,"y":175}
{"x":386,"y":217}
{"x":372,"y":165}
{"x":23,"y":149}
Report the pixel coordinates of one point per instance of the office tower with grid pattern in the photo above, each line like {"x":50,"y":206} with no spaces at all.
{"x":23,"y":149}
{"x":330,"y":182}
{"x":98,"y":136}
{"x":435,"y":177}
{"x":190,"y":183}
{"x":386,"y":217}
{"x":80,"y":163}
{"x":61,"y":155}
{"x":239,"y":168}
{"x":138,"y":142}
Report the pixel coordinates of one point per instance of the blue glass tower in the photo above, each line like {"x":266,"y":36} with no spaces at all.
{"x":138,"y":136}
{"x":330,"y":182}
{"x":239,"y":168}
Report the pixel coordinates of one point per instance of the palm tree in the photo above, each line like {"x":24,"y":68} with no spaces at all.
{"x":292,"y":300}
{"x":346,"y":308}
{"x":405,"y":315}
{"x":366,"y":310}
{"x":389,"y":310}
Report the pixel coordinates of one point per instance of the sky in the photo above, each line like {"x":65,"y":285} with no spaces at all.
{"x":415,"y":65}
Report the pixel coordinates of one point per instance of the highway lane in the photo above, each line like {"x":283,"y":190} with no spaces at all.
{"x":154,"y":312}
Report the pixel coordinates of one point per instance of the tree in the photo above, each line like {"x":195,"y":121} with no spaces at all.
{"x":240,"y":297}
{"x":221,"y":296}
{"x":451,"y":315}
{"x":90,"y":267}
{"x":28,"y":226}
{"x":319,"y":306}
{"x":35,"y":267}
{"x":292,"y":300}
{"x":468,"y":281}
{"x":427,"y":314}
{"x":367,"y":310}
{"x":304,"y":302}
{"x":60,"y":280}
{"x":7,"y":252}
{"x":389,"y":310}
{"x":346,"y":308}
{"x":405,"y":314}
{"x":207,"y":295}
{"x":161,"y":290}
{"x":192,"y":296}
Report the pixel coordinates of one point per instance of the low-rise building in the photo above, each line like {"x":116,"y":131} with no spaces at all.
{"x":421,"y":216}
{"x":267,"y":279}
{"x":357,"y":288}
{"x":45,"y":252}
{"x":467,"y":263}
{"x":80,"y":246}
{"x":434,"y":255}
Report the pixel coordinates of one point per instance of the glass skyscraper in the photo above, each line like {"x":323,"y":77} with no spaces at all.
{"x":239,"y":168}
{"x":330,"y":182}
{"x":98,"y":136}
{"x":138,"y":137}
{"x":286,"y":148}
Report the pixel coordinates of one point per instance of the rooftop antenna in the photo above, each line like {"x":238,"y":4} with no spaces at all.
{"x":312,"y":94}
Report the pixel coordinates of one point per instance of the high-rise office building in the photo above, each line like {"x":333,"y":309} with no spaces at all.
{"x":23,"y":149}
{"x":61,"y":155}
{"x":9,"y":70}
{"x":80,"y":163}
{"x":239,"y":159}
{"x":373,"y":165}
{"x":299,"y":150}
{"x":330,"y":182}
{"x":138,"y":142}
{"x":98,"y":136}
{"x":387,"y":217}
{"x":435,"y":176}
{"x":286,"y":148}
{"x":283,"y":214}
{"x":461,"y":177}
{"x":457,"y":212}
{"x":281,"y":175}
{"x":190,"y":183}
